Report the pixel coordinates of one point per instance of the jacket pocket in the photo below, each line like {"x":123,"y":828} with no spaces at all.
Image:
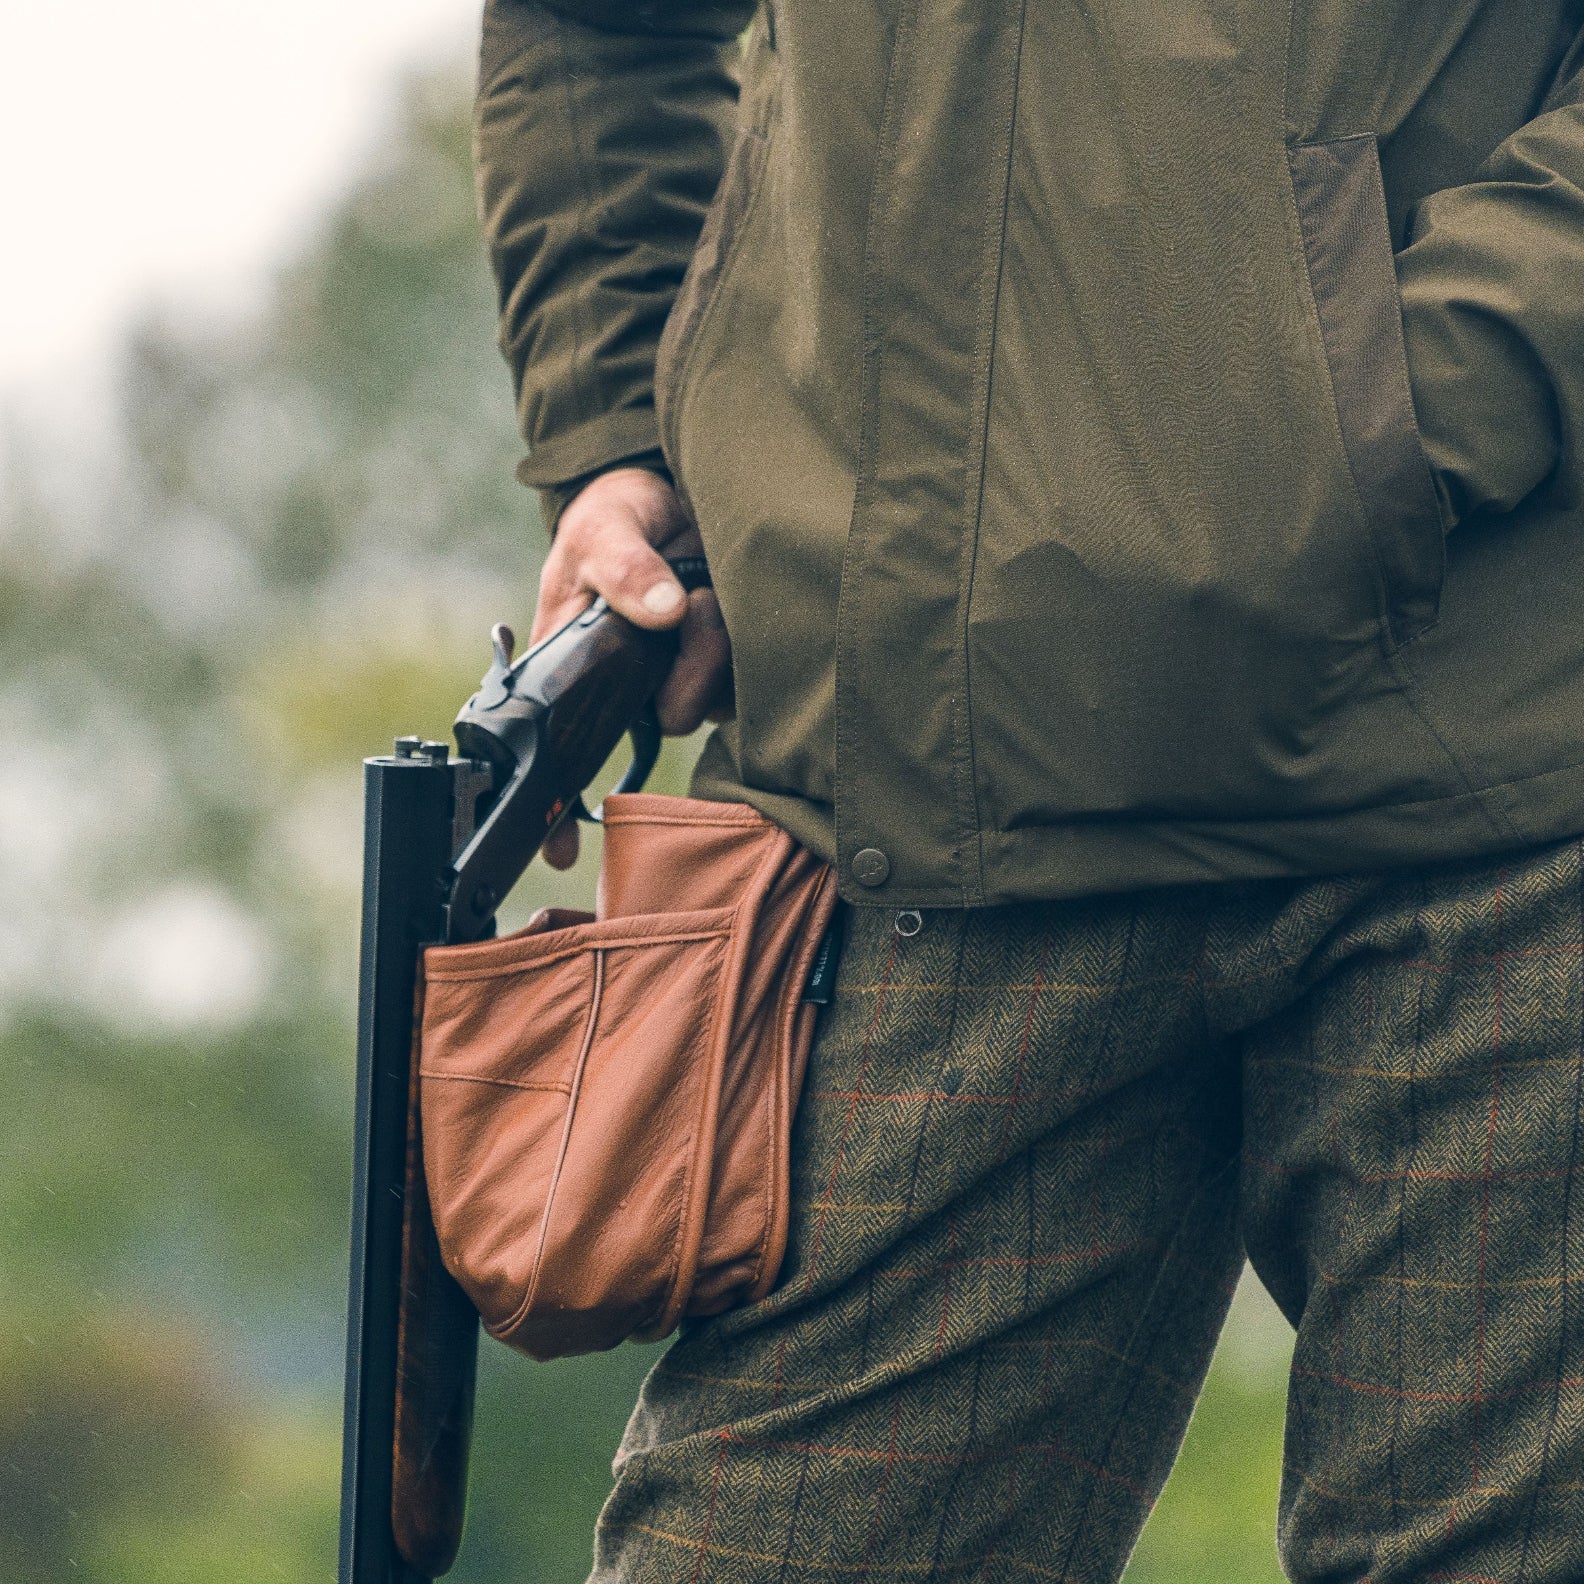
{"x":1347,"y":240}
{"x":712,"y":257}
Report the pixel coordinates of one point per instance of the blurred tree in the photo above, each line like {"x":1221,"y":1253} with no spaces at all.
{"x":291,"y":551}
{"x":114,"y":1418}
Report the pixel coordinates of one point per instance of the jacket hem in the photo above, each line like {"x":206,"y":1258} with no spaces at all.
{"x":1090,"y":859}
{"x":1094,"y":858}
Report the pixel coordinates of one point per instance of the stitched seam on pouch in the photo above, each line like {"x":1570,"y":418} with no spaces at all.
{"x":783,"y":1028}
{"x":498,"y":1083}
{"x":573,"y":1094}
{"x":691,"y":1153}
{"x":752,"y":820}
{"x":749,"y":912}
{"x":720,"y":1019}
{"x":786,"y":1029}
{"x":783,"y":1102}
{"x":575,"y":949}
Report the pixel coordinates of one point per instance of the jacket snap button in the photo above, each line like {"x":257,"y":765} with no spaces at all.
{"x":871,"y":867}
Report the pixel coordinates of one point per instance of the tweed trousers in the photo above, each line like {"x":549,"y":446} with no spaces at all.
{"x":1033,"y":1146}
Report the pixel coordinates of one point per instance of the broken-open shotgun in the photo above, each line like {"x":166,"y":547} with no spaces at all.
{"x":445,"y":839}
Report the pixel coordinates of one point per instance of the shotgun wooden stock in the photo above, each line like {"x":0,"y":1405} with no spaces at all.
{"x":436,"y":1358}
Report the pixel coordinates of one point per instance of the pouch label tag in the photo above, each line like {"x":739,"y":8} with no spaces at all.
{"x":822,"y":976}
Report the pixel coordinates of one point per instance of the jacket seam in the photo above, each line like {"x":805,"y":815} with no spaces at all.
{"x":971,"y":833}
{"x":1411,"y":688}
{"x":1397,"y":665}
{"x":1333,"y":407}
{"x":1404,"y":679}
{"x":758,"y":130}
{"x":1368,"y":517}
{"x":872,"y":349}
{"x":583,"y":376}
{"x":682,"y":380}
{"x":1287,"y":70}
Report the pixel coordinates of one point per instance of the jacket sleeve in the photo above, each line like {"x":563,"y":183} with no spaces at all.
{"x":1492,"y":287}
{"x":600,"y":133}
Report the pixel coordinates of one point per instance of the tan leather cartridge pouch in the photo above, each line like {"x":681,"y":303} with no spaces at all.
{"x":607,"y":1098}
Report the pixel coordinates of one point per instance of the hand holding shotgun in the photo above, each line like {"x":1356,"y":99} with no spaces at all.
{"x":445,"y":839}
{"x":607,"y":545}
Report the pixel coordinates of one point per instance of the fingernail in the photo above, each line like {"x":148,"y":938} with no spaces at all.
{"x":664,"y":598}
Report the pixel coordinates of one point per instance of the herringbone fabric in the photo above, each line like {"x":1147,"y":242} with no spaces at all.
{"x":1031,"y":1141}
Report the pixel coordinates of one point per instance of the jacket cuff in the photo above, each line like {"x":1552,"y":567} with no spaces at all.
{"x":1484,"y":404}
{"x":701,"y":19}
{"x":555,"y":498}
{"x":590,"y":448}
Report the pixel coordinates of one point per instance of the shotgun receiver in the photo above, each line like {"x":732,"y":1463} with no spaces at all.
{"x":445,"y":839}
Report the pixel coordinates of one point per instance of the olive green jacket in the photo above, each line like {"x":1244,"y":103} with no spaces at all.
{"x":1136,"y":441}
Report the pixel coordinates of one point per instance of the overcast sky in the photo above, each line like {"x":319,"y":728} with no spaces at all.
{"x":178,"y":146}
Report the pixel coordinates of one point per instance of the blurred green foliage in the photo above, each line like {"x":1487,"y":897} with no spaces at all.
{"x":292,"y":551}
{"x":1216,"y":1520}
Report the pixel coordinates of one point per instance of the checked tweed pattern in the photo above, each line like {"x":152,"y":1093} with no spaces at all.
{"x":1033,"y":1144}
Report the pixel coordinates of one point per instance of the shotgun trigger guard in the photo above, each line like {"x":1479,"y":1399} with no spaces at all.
{"x":645,"y":737}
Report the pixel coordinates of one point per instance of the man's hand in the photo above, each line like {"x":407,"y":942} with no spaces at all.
{"x":608,"y":542}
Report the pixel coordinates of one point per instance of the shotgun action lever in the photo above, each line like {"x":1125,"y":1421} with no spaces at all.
{"x":544,"y":724}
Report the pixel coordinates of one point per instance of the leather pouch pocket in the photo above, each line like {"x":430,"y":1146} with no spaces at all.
{"x":607,"y":1098}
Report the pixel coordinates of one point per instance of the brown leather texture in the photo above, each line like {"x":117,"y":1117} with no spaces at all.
{"x":607,"y":1098}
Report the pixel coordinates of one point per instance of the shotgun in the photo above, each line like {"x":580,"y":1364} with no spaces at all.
{"x":444,"y":840}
